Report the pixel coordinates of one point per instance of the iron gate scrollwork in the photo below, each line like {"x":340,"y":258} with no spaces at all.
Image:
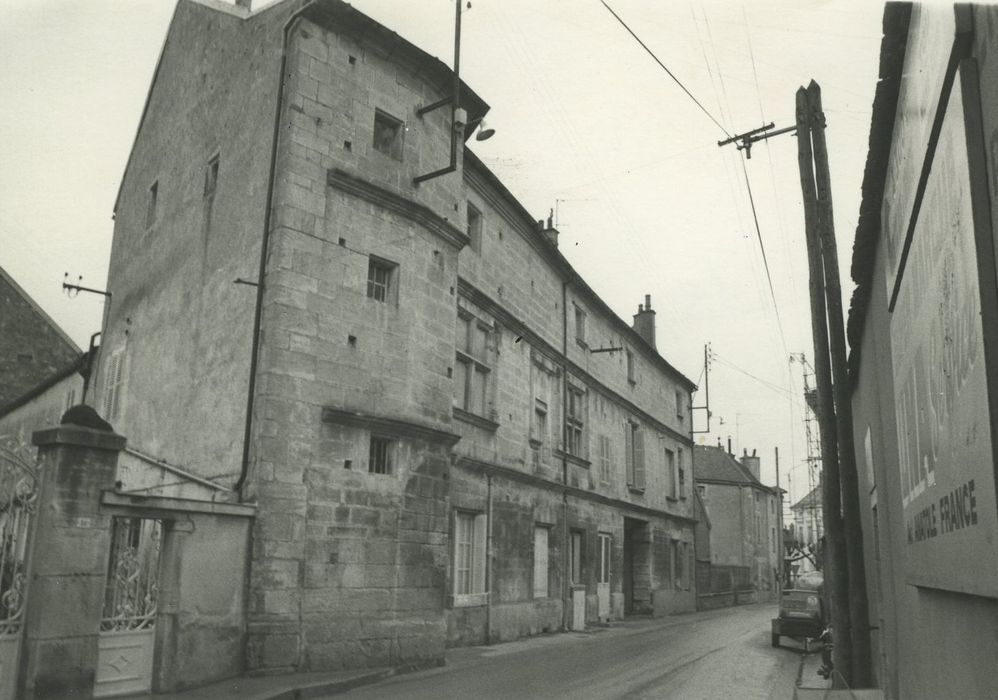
{"x":18,"y":499}
{"x":130,"y":596}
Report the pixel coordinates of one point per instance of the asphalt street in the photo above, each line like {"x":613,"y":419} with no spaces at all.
{"x":717,"y":654}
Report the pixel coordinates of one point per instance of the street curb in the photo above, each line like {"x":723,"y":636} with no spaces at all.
{"x":331,"y":687}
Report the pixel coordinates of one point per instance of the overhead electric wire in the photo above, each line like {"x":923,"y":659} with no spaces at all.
{"x":666,"y":69}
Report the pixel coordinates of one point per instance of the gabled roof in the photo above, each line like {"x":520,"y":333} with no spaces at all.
{"x":33,"y":347}
{"x":811,"y":500}
{"x":714,"y":464}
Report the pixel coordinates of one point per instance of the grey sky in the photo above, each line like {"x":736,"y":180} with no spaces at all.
{"x":586,"y":123}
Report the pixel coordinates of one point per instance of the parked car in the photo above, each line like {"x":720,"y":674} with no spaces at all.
{"x":802,"y":610}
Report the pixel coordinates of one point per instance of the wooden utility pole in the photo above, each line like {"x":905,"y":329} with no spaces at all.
{"x":835,"y":562}
{"x":848,"y":477}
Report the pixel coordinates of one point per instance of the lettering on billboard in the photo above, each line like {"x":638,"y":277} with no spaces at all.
{"x":945,"y":455}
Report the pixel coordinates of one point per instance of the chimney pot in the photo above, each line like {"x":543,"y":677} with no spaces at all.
{"x":648,"y":301}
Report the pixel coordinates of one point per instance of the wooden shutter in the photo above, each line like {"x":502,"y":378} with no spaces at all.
{"x":639,"y":459}
{"x":540,"y":562}
{"x":479,"y":554}
{"x":629,"y":452}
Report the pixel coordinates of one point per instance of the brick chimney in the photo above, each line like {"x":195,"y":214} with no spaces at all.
{"x":752,"y":463}
{"x":644,"y":321}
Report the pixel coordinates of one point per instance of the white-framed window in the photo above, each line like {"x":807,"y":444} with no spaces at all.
{"x":381,"y":455}
{"x":576,"y":556}
{"x":605,"y":549}
{"x":474,"y":360}
{"x":475,"y":228}
{"x":541,"y":534}
{"x":388,"y":134}
{"x":114,"y":382}
{"x":469,"y":557}
{"x":575,"y":421}
{"x":634,"y":439}
{"x":381,"y":280}
{"x":604,"y":458}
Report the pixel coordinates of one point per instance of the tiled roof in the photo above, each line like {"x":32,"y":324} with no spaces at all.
{"x":714,"y":464}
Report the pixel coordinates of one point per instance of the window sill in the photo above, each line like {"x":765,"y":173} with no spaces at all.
{"x":671,"y":498}
{"x":572,"y":458}
{"x":636,"y":490}
{"x":473,"y":419}
{"x":467,"y":600}
{"x":535,"y":444}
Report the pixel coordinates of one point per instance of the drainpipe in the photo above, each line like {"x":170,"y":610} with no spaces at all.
{"x":264,"y":250}
{"x":489,"y":556}
{"x":566,"y":554}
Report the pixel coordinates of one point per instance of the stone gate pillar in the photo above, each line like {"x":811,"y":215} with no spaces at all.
{"x":67,"y":561}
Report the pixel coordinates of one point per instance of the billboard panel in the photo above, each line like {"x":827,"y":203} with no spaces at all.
{"x":943,"y":417}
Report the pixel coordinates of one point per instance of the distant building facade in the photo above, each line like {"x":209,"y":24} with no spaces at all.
{"x":923,"y":331}
{"x":449,"y":437}
{"x":744,"y":521}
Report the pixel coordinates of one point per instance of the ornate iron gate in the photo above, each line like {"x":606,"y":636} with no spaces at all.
{"x":125,"y":652}
{"x":18,"y":497}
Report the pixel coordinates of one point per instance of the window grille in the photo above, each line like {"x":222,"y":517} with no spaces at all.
{"x":381,"y":456}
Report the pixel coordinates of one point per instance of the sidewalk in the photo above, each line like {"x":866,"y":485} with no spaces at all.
{"x":811,"y":686}
{"x":285,"y":687}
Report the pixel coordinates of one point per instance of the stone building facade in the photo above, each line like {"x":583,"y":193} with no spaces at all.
{"x":448,"y":436}
{"x":744,"y":515}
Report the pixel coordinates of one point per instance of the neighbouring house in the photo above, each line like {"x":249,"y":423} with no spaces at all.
{"x":744,"y":527}
{"x":923,"y":333}
{"x":34,"y":350}
{"x":41,"y":369}
{"x":803,"y":540}
{"x":446,"y":435}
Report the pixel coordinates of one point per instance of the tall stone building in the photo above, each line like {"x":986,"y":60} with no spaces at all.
{"x":448,"y":436}
{"x":744,"y":516}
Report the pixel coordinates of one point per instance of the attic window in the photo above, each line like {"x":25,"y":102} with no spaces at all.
{"x":388,"y":134}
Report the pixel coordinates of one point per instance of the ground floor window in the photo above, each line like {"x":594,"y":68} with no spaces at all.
{"x":576,"y":556}
{"x":469,"y":554}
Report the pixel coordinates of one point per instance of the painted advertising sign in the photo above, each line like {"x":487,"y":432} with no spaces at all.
{"x":930,"y":40}
{"x":943,"y":419}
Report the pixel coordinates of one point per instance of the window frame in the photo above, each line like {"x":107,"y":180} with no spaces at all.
{"x":605,"y":459}
{"x":575,"y":421}
{"x":671,"y":474}
{"x":383,"y":120}
{"x":606,"y":557}
{"x":389,"y":295}
{"x":635,"y":456}
{"x":470,"y":531}
{"x":576,"y":556}
{"x":380,"y":455}
{"x":475,"y":227}
{"x":478,"y":364}
{"x":580,"y":325}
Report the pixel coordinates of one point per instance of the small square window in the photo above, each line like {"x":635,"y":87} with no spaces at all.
{"x":152,"y":203}
{"x":388,"y":134}
{"x":380,"y":461}
{"x":381,"y":280}
{"x":475,"y":228}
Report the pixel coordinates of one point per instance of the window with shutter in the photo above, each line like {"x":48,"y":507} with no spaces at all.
{"x":114,"y":373}
{"x":540,"y":562}
{"x":639,"y":459}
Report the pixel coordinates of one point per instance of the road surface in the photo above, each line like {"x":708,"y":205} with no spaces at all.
{"x":701,"y":656}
